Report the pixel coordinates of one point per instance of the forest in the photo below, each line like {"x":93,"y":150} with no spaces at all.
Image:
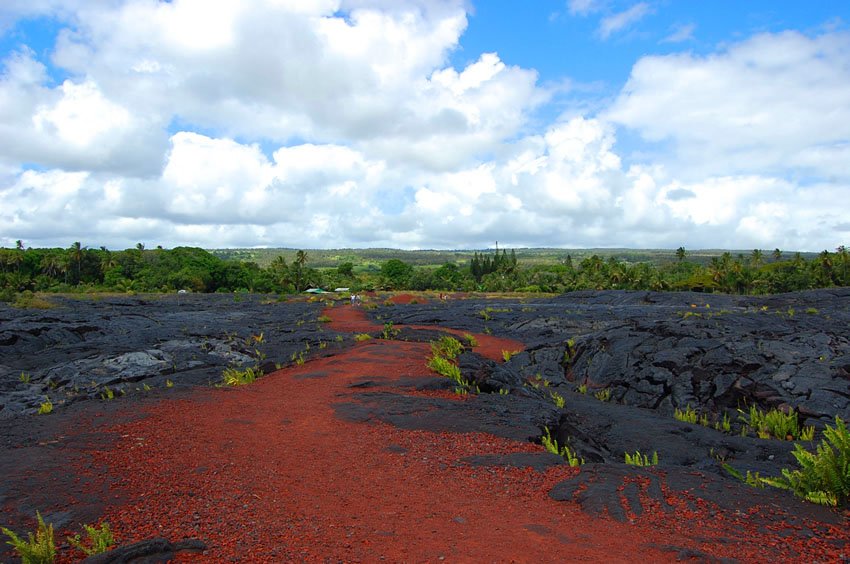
{"x":82,"y":269}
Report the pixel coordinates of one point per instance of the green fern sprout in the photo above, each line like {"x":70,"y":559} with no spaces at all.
{"x":551,"y":445}
{"x":603,"y":394}
{"x":46,"y":407}
{"x":470,"y":339}
{"x":558,"y":399}
{"x":582,"y":389}
{"x":507,"y":355}
{"x":447,"y":347}
{"x":37,"y":549}
{"x":638,"y":459}
{"x":100,"y":539}
{"x":687,"y":415}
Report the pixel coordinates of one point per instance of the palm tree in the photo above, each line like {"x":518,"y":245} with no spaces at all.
{"x":680,"y":253}
{"x":75,"y":255}
{"x":301,"y":257}
{"x":777,"y":254}
{"x":756,"y":258}
{"x":52,"y":265}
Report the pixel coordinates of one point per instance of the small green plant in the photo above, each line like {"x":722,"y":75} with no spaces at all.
{"x":812,"y":311}
{"x":107,"y":394}
{"x":324,"y":319}
{"x":582,"y":389}
{"x":100,"y":539}
{"x":389,"y":332}
{"x":558,"y":399}
{"x":487,"y":331}
{"x":507,"y":355}
{"x":445,"y":367}
{"x":360,"y":337}
{"x":37,"y":549}
{"x":485,"y":315}
{"x":603,"y":394}
{"x":447,"y":347}
{"x":551,"y":445}
{"x":774,"y":423}
{"x":503,"y":392}
{"x":46,"y":407}
{"x":233,"y":376}
{"x":638,"y":459}
{"x":725,"y":424}
{"x":24,"y":378}
{"x":470,"y":339}
{"x":570,"y":351}
{"x":323,"y":345}
{"x":146,"y":387}
{"x":169,"y":383}
{"x":338,"y":338}
{"x":824,"y":475}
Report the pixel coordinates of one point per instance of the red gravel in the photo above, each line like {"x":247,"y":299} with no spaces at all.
{"x":267,"y":473}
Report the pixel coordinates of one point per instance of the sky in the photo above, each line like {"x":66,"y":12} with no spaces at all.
{"x":425,"y":124}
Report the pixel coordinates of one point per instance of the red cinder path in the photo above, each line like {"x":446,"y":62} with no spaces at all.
{"x":268,"y":473}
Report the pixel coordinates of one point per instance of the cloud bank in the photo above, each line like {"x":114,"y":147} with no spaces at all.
{"x":342,"y":123}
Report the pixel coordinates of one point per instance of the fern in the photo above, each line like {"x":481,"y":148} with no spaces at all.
{"x":824,"y":475}
{"x":551,"y":445}
{"x":37,"y":549}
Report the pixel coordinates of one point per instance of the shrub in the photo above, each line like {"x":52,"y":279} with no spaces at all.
{"x":447,"y":347}
{"x":37,"y":549}
{"x":638,"y":459}
{"x":389,"y":331}
{"x":824,"y":475}
{"x":99,"y":540}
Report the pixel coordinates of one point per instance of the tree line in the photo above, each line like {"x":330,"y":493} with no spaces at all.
{"x":79,"y":268}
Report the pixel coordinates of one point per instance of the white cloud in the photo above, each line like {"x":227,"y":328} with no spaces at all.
{"x":623,"y":20}
{"x":771,"y":104}
{"x":340,"y":122}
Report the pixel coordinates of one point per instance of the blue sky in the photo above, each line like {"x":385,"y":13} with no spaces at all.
{"x":425,"y":123}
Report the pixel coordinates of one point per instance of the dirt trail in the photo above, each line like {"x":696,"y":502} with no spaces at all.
{"x":268,"y":473}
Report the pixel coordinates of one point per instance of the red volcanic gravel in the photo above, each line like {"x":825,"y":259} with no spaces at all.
{"x":268,"y":473}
